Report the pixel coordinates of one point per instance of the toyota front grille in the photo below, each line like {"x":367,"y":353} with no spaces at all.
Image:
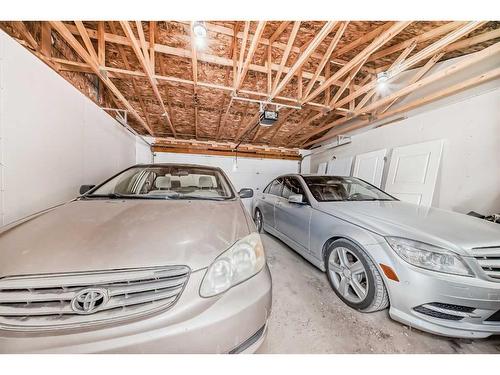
{"x":77,"y":299}
{"x":489,"y":260}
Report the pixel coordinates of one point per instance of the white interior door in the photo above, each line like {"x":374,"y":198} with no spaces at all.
{"x":370,"y":166}
{"x":340,"y":166}
{"x":413,"y":172}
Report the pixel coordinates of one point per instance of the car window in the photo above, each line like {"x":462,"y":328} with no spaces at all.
{"x":287,"y":188}
{"x":293,"y":186}
{"x":276,"y":187}
{"x":332,"y":189}
{"x":268,"y":187}
{"x":167,"y":181}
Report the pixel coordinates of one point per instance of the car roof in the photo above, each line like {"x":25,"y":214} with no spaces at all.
{"x":310,"y":175}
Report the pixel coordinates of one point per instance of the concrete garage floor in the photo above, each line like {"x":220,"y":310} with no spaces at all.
{"x":308,"y":317}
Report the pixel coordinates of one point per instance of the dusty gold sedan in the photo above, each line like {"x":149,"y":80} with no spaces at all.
{"x":160,"y":258}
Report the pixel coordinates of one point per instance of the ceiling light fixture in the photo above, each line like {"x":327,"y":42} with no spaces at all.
{"x":382,"y":77}
{"x":199,"y":29}
{"x":382,"y":82}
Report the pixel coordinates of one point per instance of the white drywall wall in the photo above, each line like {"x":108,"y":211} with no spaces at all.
{"x":243,"y":172}
{"x":143,"y":153}
{"x":469,"y":175}
{"x":53,"y":138}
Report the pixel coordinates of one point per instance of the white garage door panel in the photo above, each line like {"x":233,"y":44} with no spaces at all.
{"x":340,"y":166}
{"x":370,"y":166}
{"x":413,"y":172}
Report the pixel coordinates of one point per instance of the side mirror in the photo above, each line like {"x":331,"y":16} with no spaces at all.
{"x":85,"y":188}
{"x":296,"y":198}
{"x":245,"y":193}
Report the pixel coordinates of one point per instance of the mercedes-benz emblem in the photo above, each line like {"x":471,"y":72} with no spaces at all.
{"x":89,"y":300}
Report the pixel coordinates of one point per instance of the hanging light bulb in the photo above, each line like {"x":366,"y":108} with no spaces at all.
{"x":382,"y":81}
{"x":199,"y":29}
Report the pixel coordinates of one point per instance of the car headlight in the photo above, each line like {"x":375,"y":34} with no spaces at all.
{"x":429,"y":257}
{"x":240,"y":262}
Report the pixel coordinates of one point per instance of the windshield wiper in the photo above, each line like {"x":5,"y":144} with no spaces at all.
{"x":126,"y":196}
{"x":368,"y":199}
{"x":197,"y":197}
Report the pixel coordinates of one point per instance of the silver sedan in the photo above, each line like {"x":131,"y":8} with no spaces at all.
{"x":437,"y":270}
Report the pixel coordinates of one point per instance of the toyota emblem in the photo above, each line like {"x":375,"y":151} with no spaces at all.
{"x":88,"y":301}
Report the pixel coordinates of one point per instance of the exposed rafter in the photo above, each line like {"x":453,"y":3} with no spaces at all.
{"x":377,"y":43}
{"x":251,"y":50}
{"x":326,"y":58}
{"x":194,"y":65}
{"x":286,"y":53}
{"x":320,"y":36}
{"x":136,"y":92}
{"x":143,"y":58}
{"x":81,"y":51}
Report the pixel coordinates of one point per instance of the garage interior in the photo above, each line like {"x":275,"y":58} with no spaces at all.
{"x":81,"y":101}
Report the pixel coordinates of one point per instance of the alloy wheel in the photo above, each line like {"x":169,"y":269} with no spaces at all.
{"x":348,"y":274}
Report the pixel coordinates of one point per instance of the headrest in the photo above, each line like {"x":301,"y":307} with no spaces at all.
{"x":205,"y":182}
{"x":176,"y":184}
{"x":162,"y":182}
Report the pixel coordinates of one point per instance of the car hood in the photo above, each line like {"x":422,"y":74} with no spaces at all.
{"x":88,"y":235}
{"x":443,"y":228}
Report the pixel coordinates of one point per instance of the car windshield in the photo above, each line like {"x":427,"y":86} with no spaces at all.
{"x":166,"y":182}
{"x":335,"y":189}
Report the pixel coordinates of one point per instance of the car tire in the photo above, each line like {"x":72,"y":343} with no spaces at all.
{"x":365,"y":290}
{"x":258,"y":219}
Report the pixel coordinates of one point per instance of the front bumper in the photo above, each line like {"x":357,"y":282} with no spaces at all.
{"x":221,"y":324}
{"x":418,"y":287}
